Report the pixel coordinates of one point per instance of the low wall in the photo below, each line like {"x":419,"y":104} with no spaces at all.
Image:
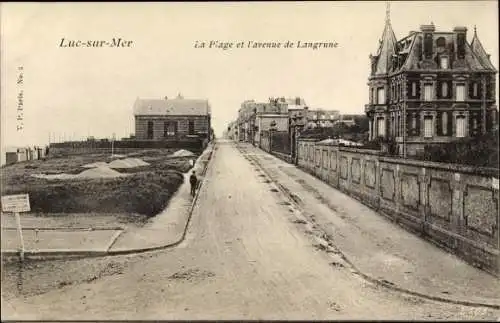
{"x":124,"y":146}
{"x":455,"y":206}
{"x":282,"y":156}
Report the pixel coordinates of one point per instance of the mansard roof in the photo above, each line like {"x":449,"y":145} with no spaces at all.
{"x":410,"y":48}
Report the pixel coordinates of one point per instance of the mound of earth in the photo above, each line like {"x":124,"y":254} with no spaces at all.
{"x":96,"y":172}
{"x":127,"y":163}
{"x":183,"y":153}
{"x":97,"y":164}
{"x":119,"y":163}
{"x":99,"y":172}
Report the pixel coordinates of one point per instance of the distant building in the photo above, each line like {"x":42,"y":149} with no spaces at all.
{"x":161,"y":119}
{"x":348,"y":119}
{"x":430,"y":87}
{"x":322,"y":118}
{"x":232,"y":131}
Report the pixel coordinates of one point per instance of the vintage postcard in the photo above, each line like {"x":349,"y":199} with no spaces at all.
{"x":250,"y":160}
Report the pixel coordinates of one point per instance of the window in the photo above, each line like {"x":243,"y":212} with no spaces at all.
{"x":460,"y":92}
{"x":414,"y":89}
{"x":444,"y":63}
{"x":380,"y":95}
{"x":169,"y":129}
{"x":165,"y":129}
{"x":414,"y":121}
{"x":441,"y":42}
{"x":444,"y":90}
{"x":460,"y":124}
{"x":393,"y":126}
{"x":150,"y":130}
{"x":428,"y":129}
{"x":374,"y":99}
{"x":191,"y":127}
{"x":428,"y":92}
{"x":444,"y":121}
{"x":398,"y":126}
{"x":474,"y":89}
{"x":380,"y":127}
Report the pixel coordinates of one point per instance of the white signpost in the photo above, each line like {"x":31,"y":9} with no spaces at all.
{"x":17,"y":204}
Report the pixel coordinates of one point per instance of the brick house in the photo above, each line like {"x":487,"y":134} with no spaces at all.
{"x":430,"y":87}
{"x":163,"y":119}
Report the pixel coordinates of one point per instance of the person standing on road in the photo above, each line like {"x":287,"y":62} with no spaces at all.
{"x":193,"y":180}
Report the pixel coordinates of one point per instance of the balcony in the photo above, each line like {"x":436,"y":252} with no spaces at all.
{"x":375,"y":107}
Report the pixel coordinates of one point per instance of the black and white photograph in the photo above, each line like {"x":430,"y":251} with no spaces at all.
{"x":250,"y":160}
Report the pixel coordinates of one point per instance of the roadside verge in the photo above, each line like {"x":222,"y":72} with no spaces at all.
{"x":114,"y":248}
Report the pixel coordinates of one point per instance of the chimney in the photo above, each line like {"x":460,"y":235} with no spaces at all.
{"x":428,"y":28}
{"x":461,"y":34}
{"x":460,"y":29}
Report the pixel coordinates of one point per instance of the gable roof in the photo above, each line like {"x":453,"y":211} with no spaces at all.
{"x":174,"y":107}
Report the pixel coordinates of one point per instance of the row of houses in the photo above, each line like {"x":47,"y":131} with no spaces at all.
{"x":25,"y":154}
{"x":280,"y":115}
{"x":430,"y":87}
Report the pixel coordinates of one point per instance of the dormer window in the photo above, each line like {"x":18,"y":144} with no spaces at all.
{"x":444,"y":63}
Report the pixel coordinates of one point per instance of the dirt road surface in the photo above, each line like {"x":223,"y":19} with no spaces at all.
{"x":245,"y":257}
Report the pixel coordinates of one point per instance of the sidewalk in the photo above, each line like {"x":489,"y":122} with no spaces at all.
{"x":164,"y":230}
{"x":377,"y":248}
{"x":168,"y":227}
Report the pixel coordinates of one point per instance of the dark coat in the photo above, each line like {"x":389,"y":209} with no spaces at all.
{"x":192,"y":179}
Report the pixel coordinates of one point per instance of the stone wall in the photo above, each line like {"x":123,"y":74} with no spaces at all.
{"x":455,"y":206}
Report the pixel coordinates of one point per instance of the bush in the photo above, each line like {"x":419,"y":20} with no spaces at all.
{"x":144,"y":193}
{"x":146,"y":190}
{"x":477,"y":151}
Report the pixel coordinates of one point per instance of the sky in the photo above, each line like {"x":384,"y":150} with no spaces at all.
{"x":71,"y":93}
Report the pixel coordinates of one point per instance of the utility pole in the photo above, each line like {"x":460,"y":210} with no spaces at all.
{"x":112,"y":144}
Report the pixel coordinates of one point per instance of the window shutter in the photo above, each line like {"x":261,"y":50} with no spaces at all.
{"x":417,"y":128}
{"x":439,"y":128}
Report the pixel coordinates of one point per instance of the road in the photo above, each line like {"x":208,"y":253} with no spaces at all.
{"x":247,"y":255}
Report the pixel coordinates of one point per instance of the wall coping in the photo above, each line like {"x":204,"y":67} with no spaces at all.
{"x":457,"y":168}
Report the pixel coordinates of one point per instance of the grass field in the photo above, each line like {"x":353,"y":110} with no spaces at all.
{"x":146,"y":191}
